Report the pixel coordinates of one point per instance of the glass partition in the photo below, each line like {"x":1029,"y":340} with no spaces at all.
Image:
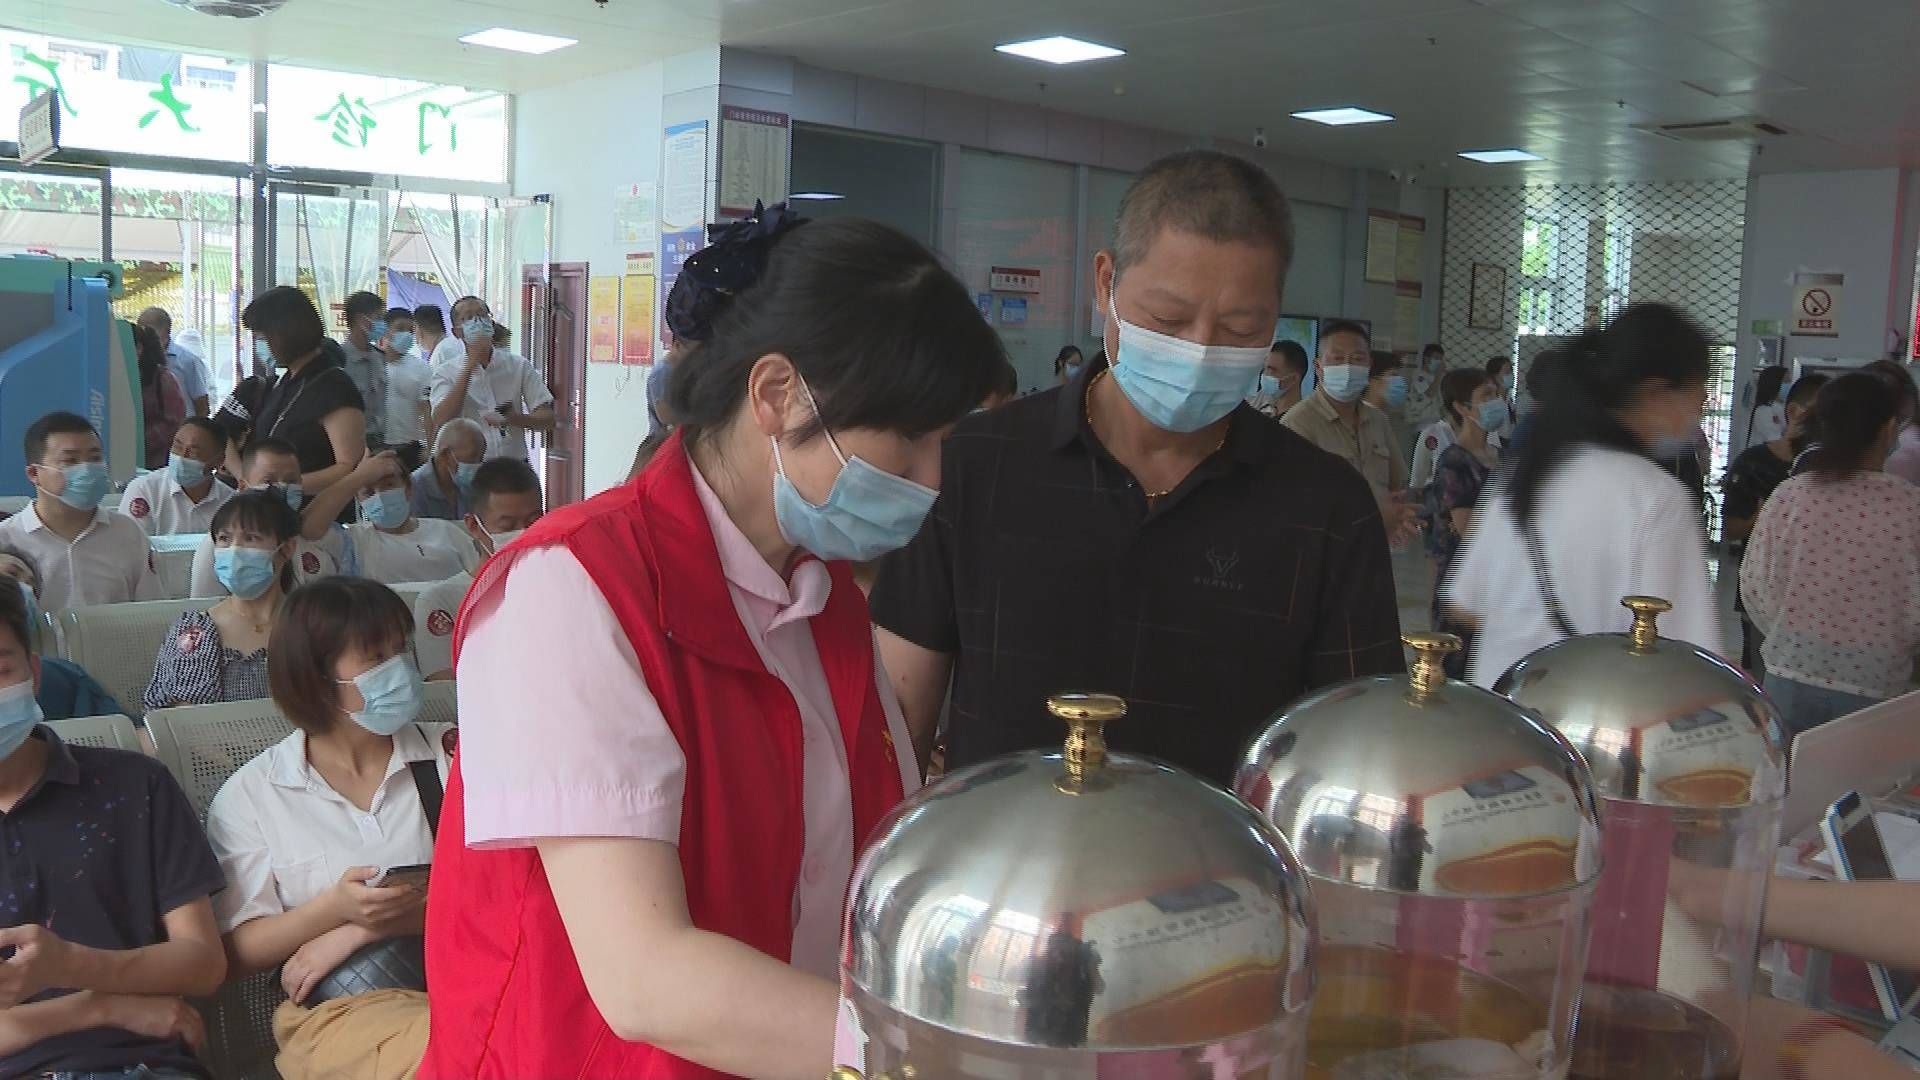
{"x":50,"y":215}
{"x":184,"y":243}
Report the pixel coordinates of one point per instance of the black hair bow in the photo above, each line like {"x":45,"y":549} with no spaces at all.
{"x":734,"y":258}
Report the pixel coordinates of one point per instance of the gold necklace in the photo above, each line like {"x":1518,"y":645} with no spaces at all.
{"x":1087,"y":404}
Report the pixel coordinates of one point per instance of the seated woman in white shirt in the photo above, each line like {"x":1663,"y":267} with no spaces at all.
{"x":387,"y":544}
{"x":1584,"y":516}
{"x":184,"y":496}
{"x":220,"y":654}
{"x":301,"y":828}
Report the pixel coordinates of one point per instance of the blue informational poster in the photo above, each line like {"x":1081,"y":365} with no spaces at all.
{"x":1013,"y":310}
{"x":984,"y":301}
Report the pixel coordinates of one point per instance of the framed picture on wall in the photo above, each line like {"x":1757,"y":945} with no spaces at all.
{"x":1487,"y":299}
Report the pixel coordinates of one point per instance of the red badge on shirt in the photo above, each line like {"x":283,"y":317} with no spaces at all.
{"x":188,"y":641}
{"x":139,"y":508}
{"x":1433,"y":441}
{"x":439,"y":623}
{"x":309,"y":563}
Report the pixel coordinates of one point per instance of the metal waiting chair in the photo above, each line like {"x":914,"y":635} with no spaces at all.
{"x":173,"y":561}
{"x":203,"y":745}
{"x":109,"y":732}
{"x":116,"y":643}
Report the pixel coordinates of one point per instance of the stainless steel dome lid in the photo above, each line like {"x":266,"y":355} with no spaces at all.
{"x":1660,"y":721}
{"x":1078,"y":899}
{"x":1422,"y":785}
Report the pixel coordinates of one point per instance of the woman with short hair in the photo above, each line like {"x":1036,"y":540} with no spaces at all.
{"x":304,"y":830}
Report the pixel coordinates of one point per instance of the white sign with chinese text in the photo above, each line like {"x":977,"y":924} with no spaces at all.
{"x":1013,"y":279}
{"x":126,"y":99}
{"x":40,"y":128}
{"x":372,"y":124}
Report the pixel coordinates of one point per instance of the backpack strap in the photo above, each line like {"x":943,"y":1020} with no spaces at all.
{"x":426,"y":781}
{"x":1537,"y":554}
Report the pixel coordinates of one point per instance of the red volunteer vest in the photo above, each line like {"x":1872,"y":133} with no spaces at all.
{"x":507,"y":997}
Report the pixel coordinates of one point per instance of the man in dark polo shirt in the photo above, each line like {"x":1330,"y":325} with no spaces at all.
{"x":1142,"y":530}
{"x":105,"y":921}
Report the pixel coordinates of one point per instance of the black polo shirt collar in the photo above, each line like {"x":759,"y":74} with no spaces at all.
{"x":61,"y":768}
{"x":1247,"y":430}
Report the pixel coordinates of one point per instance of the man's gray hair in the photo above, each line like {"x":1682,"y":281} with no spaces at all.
{"x":156,"y":317}
{"x":456,"y":427}
{"x":1209,"y":194}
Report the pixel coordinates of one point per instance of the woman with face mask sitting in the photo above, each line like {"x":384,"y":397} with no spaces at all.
{"x":304,"y":831}
{"x":388,"y":543}
{"x":1586,"y":516}
{"x":220,"y":654}
{"x":709,"y":714}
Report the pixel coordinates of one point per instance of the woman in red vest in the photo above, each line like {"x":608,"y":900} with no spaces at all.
{"x":673,"y":733}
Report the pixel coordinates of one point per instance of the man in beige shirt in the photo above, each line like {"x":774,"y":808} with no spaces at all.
{"x":1337,"y":421}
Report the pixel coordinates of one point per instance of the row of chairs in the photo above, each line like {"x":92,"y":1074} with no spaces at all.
{"x":117,"y":643}
{"x":203,"y":745}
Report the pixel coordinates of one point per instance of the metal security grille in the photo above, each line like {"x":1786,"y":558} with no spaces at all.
{"x":1554,"y":258}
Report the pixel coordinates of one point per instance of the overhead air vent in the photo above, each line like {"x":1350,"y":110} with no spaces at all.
{"x":231,"y":9}
{"x":1737,"y":129}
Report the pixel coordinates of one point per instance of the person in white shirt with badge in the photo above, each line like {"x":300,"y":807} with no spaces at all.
{"x":265,"y":464}
{"x":86,"y":555}
{"x":387,"y":544}
{"x":184,"y":496}
{"x":506,"y":502}
{"x":476,"y":376}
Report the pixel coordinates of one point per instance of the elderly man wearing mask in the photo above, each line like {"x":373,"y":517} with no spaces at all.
{"x":443,"y":487}
{"x":1140,"y":529}
{"x":476,"y":376}
{"x":1339,"y":421}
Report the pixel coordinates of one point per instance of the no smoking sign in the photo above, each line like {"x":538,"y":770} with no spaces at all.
{"x":1816,"y":301}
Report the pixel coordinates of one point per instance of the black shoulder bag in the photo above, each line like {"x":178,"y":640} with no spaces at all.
{"x":396,"y":963}
{"x":1537,"y":554}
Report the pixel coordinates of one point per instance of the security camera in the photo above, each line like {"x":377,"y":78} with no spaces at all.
{"x":1260,"y":138}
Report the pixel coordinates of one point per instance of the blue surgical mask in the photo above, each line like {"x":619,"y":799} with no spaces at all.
{"x":402,"y":341}
{"x":87,"y":484}
{"x":246,"y":572}
{"x":1073,"y":370}
{"x":463,"y":474}
{"x":385,"y":509}
{"x":377,"y":331}
{"x":868,"y":511}
{"x":1181,"y":385}
{"x":19,"y":714}
{"x":1344,"y":383}
{"x":1269,"y":387}
{"x":186,"y":471}
{"x":478,"y":328}
{"x":289,"y":492}
{"x":1492,"y":415}
{"x":1396,"y":391}
{"x":392,"y":692}
{"x":1671,"y":447}
{"x":263,"y":352}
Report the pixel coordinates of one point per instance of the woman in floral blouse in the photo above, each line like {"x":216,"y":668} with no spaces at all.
{"x":221,"y":654}
{"x":1472,"y":403}
{"x":1832,"y":573}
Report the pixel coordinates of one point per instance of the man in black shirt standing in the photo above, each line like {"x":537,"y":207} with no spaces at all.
{"x":105,"y":877}
{"x":1142,"y":530}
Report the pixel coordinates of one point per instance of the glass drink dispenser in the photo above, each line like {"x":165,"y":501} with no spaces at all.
{"x":1453,"y":842}
{"x":1075,"y":915}
{"x":1687,"y":757}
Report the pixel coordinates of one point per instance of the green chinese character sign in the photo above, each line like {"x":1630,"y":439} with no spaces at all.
{"x":37,"y":86}
{"x":351,"y":120}
{"x":169,"y":101}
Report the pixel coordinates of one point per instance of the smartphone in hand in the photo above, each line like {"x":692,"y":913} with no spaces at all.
{"x":396,"y":876}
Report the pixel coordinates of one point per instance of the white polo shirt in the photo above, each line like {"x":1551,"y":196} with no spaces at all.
{"x":108,"y":563}
{"x":157,"y":504}
{"x":309,"y":563}
{"x":508,"y":379}
{"x":432,"y":551}
{"x":284,"y":836}
{"x":434,"y":612}
{"x":407,"y":380}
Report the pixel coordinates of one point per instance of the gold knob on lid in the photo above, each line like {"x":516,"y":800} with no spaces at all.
{"x":845,"y":1072}
{"x":1646,"y":611}
{"x":1087,"y":716}
{"x":1429,"y":655}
